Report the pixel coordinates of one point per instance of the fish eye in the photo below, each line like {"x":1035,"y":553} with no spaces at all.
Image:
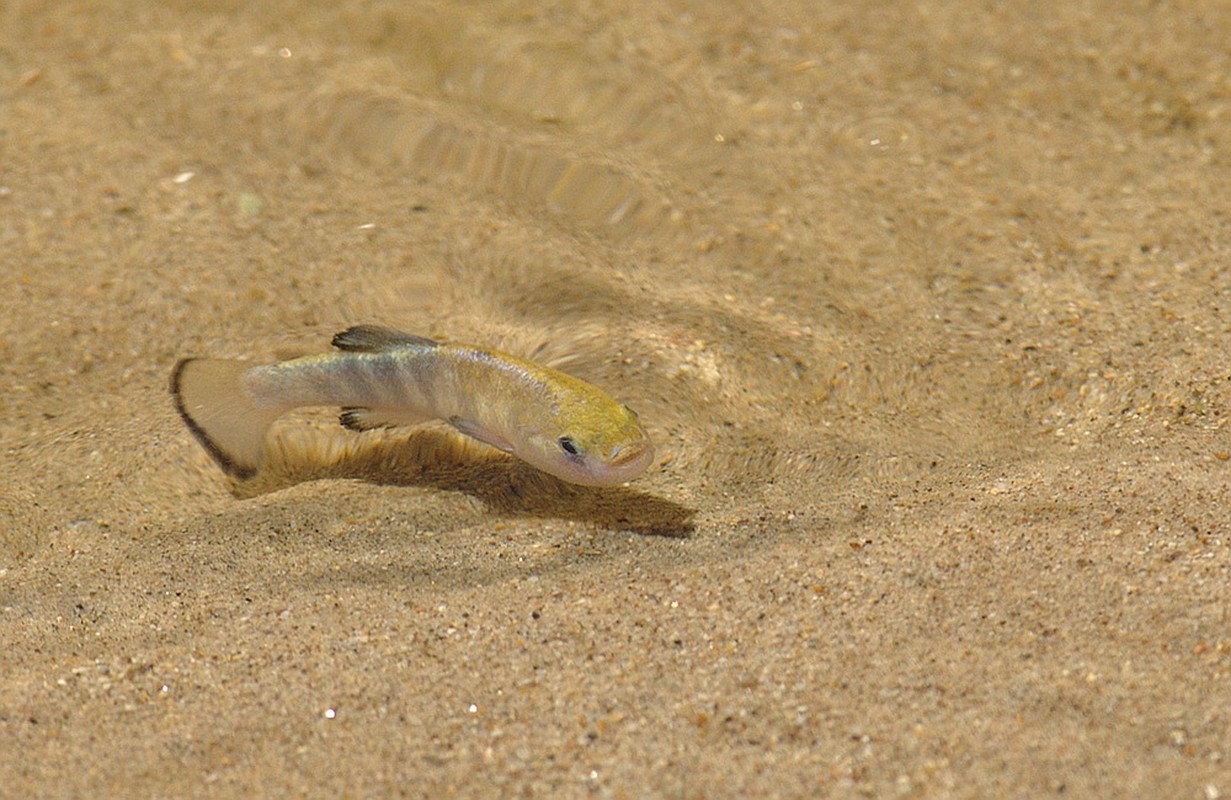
{"x":568,"y":445}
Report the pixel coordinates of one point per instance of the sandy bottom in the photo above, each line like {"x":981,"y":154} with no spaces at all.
{"x":927,"y":308}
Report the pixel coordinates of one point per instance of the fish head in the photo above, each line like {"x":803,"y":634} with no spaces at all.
{"x":593,"y":441}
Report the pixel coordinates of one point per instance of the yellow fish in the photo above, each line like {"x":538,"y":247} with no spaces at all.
{"x":381,"y":377}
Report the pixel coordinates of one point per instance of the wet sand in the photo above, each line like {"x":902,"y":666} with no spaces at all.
{"x":926,"y":307}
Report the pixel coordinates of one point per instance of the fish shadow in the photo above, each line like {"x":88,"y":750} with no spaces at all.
{"x":441,"y":460}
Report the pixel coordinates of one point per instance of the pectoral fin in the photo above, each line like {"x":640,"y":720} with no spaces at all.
{"x":476,"y":431}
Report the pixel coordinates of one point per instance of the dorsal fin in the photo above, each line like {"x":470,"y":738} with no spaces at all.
{"x":373,"y":338}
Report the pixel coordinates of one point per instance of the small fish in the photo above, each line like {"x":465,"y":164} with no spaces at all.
{"x":382,"y":378}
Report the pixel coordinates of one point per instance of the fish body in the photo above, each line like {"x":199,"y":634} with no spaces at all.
{"x":381,"y":378}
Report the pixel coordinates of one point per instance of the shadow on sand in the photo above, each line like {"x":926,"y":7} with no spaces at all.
{"x":441,"y":460}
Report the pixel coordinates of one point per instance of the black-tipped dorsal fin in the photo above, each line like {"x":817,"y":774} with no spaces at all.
{"x":373,"y":338}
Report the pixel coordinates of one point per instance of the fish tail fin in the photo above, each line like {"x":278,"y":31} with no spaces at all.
{"x":229,"y":423}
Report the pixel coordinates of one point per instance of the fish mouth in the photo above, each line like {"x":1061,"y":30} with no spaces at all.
{"x":622,"y":464}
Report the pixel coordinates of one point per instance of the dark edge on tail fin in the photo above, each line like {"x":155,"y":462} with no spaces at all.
{"x":224,"y":461}
{"x":373,"y":338}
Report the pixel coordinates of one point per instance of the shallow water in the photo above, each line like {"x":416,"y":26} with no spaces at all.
{"x":924,"y":307}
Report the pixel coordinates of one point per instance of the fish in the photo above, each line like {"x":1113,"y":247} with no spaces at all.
{"x":380,"y":377}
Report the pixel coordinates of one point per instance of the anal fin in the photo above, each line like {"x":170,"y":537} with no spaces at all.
{"x":360,"y":419}
{"x":476,"y":431}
